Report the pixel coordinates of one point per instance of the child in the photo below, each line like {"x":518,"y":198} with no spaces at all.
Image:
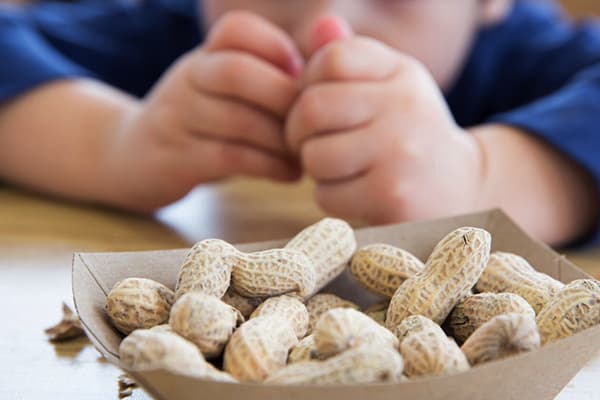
{"x":398,"y":109}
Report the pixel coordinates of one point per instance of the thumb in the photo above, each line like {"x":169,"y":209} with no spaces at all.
{"x":326,"y":30}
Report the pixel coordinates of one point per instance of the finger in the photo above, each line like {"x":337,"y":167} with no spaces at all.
{"x":350,"y":199}
{"x":328,"y":29}
{"x":247,"y":32}
{"x":339,"y":156}
{"x":358,"y":58}
{"x":225,"y":159}
{"x":243,"y":76}
{"x":230,"y":120}
{"x":330,"y":107}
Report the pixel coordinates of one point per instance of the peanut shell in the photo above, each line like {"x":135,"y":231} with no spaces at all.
{"x":450,"y":273}
{"x":573,"y":309}
{"x":427,"y":350}
{"x":363,"y":364}
{"x":207,"y":268}
{"x":502,"y":336}
{"x":138,"y":303}
{"x":259,"y":348}
{"x":272,"y":273}
{"x":329,"y":244}
{"x":303,"y":351}
{"x":340,"y":329}
{"x":205,"y":321}
{"x":507,"y":272}
{"x":245,"y":305}
{"x":323,"y":302}
{"x":287,"y":307}
{"x":381,"y":268}
{"x":477,"y":309}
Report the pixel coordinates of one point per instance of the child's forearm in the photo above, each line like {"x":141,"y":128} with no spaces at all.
{"x":550,"y":195}
{"x":55,"y":138}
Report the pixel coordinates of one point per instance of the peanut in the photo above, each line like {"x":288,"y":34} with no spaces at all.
{"x":381,"y":268}
{"x":507,"y":272}
{"x":259,"y":348}
{"x":476,"y":310}
{"x":450,"y":273}
{"x":342,"y":328}
{"x":150,"y":350}
{"x":329,"y":244}
{"x":244,"y":305}
{"x":137,"y":303}
{"x":378,"y":311}
{"x":573,"y":309}
{"x":323,"y":302}
{"x":207,"y":268}
{"x":146,"y":350}
{"x":205,"y":321}
{"x":303,"y":351}
{"x":272,"y":273}
{"x":502,"y":336}
{"x":287,"y":307}
{"x":427,"y":350}
{"x":363,"y":364}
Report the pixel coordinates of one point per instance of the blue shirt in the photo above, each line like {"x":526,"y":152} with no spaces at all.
{"x":535,"y":70}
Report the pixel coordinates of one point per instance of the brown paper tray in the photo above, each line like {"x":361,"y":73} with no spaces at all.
{"x":537,"y":375}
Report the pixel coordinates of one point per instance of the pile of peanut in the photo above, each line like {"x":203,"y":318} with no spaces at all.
{"x":258,"y":315}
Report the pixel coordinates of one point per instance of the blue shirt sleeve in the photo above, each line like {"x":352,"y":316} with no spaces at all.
{"x":125,"y":44}
{"x":540,"y":73}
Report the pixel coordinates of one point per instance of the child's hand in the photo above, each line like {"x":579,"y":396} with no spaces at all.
{"x":372,"y":128}
{"x":218,"y":112}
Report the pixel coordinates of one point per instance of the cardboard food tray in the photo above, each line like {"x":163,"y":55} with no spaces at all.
{"x":536,"y":375}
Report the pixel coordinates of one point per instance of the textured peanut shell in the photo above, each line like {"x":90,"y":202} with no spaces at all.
{"x":477,"y":309}
{"x":427,"y":350}
{"x":340,"y":329}
{"x":138,"y":303}
{"x":303,"y":351}
{"x":575,"y":308}
{"x":146,"y":350}
{"x":381,"y":268}
{"x":502,"y":336}
{"x":245,"y":305}
{"x":259,"y":348}
{"x":207,"y":268}
{"x":329,"y":244}
{"x":288,"y":307}
{"x":272,"y":273}
{"x":507,"y":272}
{"x":363,"y":364}
{"x":205,"y":321}
{"x":377,"y":312}
{"x":450,"y":273}
{"x":323,"y":302}
{"x":150,"y":350}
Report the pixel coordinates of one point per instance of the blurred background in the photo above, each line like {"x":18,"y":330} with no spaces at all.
{"x":577,"y":8}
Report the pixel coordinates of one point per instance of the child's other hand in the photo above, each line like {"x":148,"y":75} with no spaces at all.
{"x":218,"y":112}
{"x":373,"y":130}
